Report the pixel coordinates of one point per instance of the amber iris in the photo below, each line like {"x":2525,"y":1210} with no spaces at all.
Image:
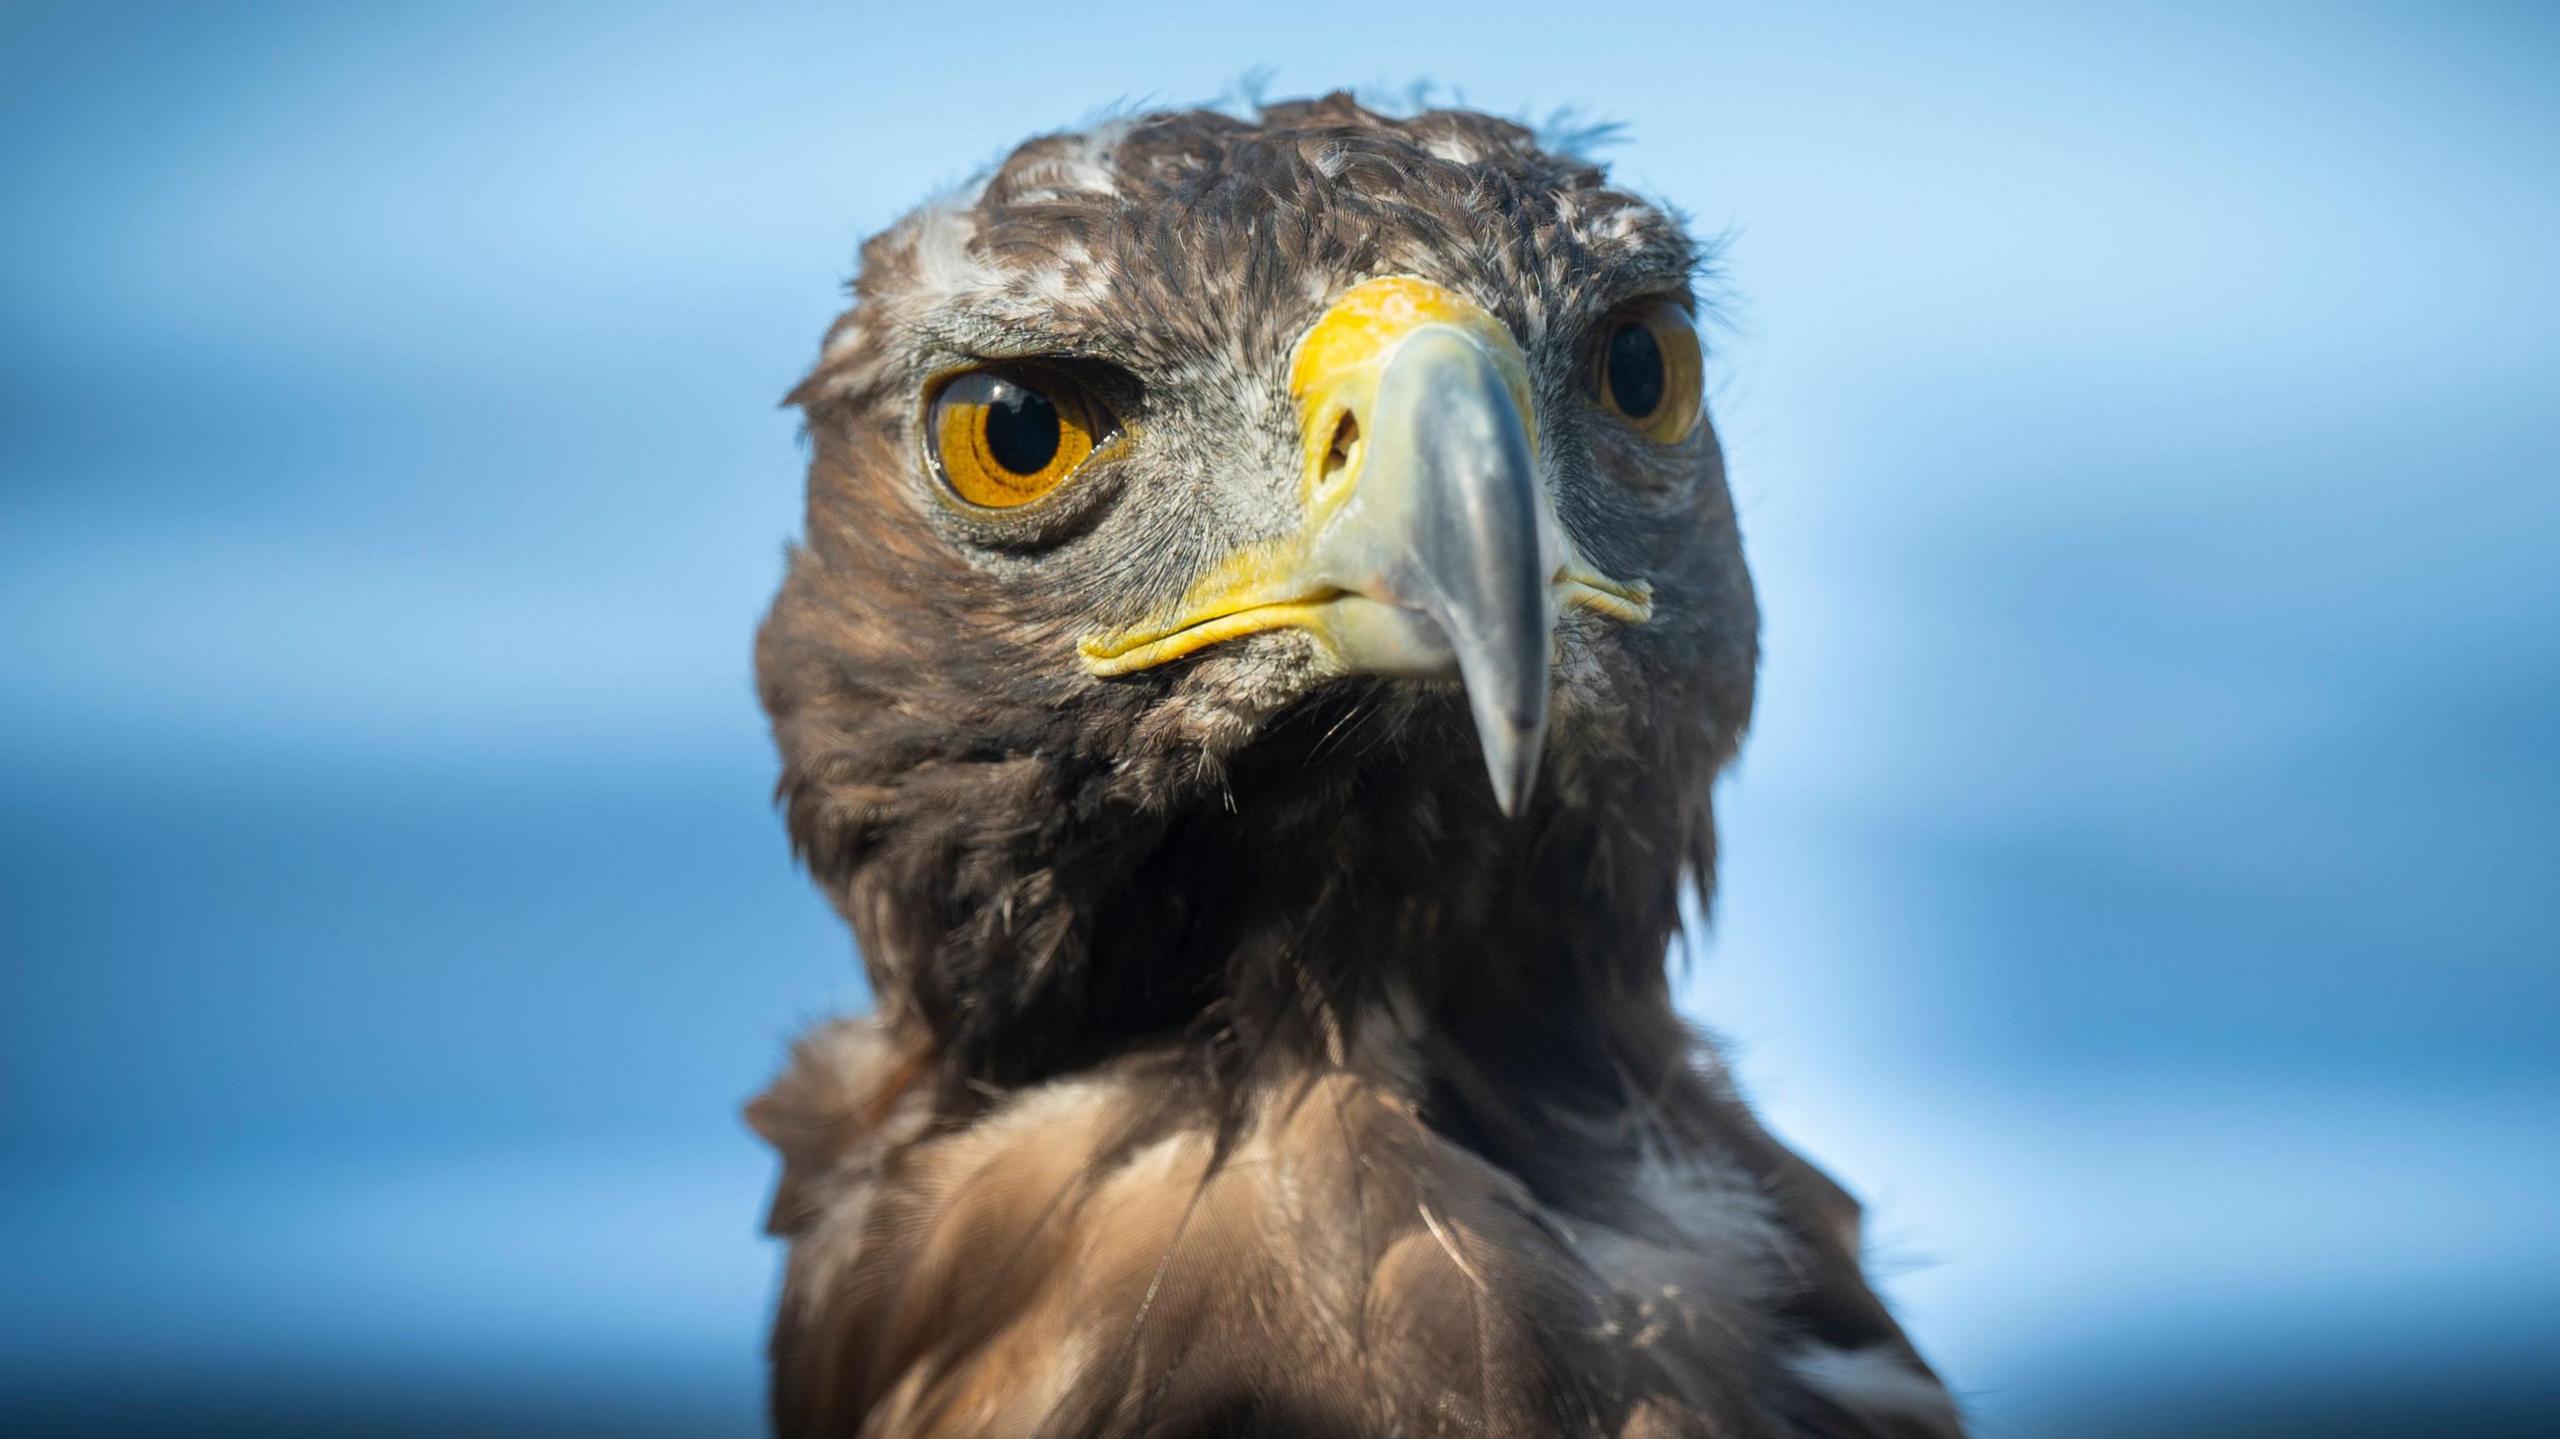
{"x":1002,"y":438}
{"x":1649,"y":371}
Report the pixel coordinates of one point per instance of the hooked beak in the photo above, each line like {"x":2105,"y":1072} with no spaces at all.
{"x":1430,"y":548}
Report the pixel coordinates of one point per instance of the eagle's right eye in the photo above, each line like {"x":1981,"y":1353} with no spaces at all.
{"x":1001,"y":438}
{"x":1647,"y":370}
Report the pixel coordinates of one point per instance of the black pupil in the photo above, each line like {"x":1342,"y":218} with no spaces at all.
{"x":1635,"y":371}
{"x":1022,"y":429}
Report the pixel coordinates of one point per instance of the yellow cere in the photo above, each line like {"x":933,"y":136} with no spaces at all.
{"x":1342,"y":355}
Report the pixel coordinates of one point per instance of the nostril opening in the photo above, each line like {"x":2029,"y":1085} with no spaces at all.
{"x":1340,"y":455}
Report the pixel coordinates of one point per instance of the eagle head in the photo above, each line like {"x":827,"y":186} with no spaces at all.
{"x":1255,"y":566}
{"x":1269,"y":621}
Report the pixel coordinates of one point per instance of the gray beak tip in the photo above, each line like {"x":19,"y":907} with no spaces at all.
{"x":1511,"y":757}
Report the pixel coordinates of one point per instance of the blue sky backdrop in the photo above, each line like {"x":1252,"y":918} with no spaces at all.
{"x":2141,"y":881}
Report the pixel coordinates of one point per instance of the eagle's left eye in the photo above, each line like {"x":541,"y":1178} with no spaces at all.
{"x":1648,"y":370}
{"x":1001,"y":438}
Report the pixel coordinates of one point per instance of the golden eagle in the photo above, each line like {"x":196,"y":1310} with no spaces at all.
{"x":1269,"y":620}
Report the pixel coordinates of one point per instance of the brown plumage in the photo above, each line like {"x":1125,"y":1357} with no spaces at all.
{"x":1240,"y":1065}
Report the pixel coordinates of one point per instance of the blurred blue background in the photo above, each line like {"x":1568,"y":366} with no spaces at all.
{"x":2141,"y":884}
